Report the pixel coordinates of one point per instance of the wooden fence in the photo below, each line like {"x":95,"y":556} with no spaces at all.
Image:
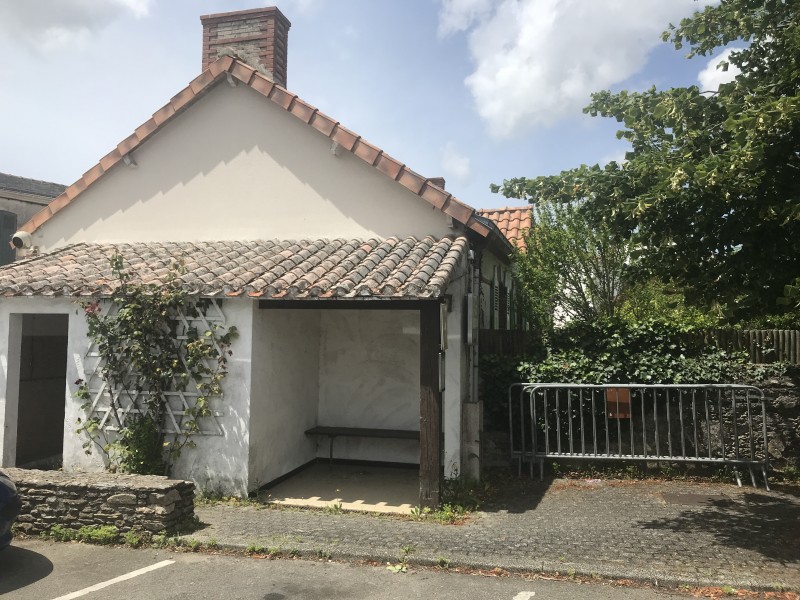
{"x":764,"y":345}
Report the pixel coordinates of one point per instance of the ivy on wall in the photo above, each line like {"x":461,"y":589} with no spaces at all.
{"x":149,"y":350}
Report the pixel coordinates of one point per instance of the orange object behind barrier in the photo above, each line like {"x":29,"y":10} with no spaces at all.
{"x":619,"y":403}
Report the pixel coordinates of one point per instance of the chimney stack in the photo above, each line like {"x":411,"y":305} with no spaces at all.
{"x":437,"y":181}
{"x":258,"y":37}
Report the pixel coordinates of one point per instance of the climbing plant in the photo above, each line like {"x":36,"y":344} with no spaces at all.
{"x":150,"y":352}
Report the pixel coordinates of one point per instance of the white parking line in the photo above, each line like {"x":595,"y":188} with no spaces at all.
{"x":524,"y":596}
{"x":105,"y":584}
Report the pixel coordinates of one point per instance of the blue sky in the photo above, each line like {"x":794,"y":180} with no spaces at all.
{"x":473,"y":90}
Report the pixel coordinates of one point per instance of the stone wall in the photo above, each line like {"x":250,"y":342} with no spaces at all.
{"x":783,"y":418}
{"x":146,"y":502}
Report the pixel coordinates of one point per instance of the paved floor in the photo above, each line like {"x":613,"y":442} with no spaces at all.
{"x":361,"y":488}
{"x":39,"y":570}
{"x":670,"y":532}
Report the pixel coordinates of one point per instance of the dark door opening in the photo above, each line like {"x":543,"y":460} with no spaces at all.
{"x":42,"y":388}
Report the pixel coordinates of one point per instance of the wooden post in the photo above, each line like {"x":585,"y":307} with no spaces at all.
{"x":430,"y":407}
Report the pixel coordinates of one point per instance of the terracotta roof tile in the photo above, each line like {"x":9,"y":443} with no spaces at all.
{"x":513,"y":222}
{"x":392,"y":268}
{"x":303,"y":111}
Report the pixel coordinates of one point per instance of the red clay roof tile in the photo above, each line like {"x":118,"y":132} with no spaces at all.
{"x":513,"y":222}
{"x":435,"y":195}
{"x":281,"y":97}
{"x":345,"y":138}
{"x":388,"y":166}
{"x":323,"y":123}
{"x":412,"y":181}
{"x":366,"y":151}
{"x":302,"y":110}
{"x":242,"y":72}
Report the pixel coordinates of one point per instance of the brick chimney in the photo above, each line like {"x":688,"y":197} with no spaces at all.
{"x":258,"y":37}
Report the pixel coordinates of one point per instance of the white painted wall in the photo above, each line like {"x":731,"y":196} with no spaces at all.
{"x":456,"y":373}
{"x":369,"y":377}
{"x":235,"y":167}
{"x":218,"y":463}
{"x":285,"y":391}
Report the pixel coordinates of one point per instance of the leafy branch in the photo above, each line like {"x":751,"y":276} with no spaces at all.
{"x":149,"y":352}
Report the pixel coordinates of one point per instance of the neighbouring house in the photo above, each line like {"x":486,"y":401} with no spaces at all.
{"x":498,"y":285}
{"x":358,"y":286}
{"x":20,"y":199}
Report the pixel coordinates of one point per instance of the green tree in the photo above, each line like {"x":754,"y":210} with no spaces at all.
{"x":709,"y":194}
{"x":571,"y":269}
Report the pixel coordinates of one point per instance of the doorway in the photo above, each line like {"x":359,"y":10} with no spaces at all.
{"x":42,"y":388}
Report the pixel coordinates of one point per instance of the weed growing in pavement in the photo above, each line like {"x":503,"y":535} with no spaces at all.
{"x":728,"y":590}
{"x":91,"y":534}
{"x":402,"y":565}
{"x":136,"y":538}
{"x":333,"y":509}
{"x":193,"y":545}
{"x":166,"y":541}
{"x":447,"y":513}
{"x":442,"y":562}
{"x":256,"y":549}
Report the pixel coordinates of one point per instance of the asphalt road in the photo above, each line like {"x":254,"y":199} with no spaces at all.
{"x":41,"y":570}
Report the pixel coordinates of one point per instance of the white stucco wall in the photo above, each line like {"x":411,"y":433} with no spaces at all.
{"x":218,"y":463}
{"x":235,"y":167}
{"x":456,"y":373}
{"x":285,"y":391}
{"x":369,"y":377}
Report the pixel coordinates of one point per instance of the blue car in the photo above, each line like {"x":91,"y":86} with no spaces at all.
{"x":10,"y":505}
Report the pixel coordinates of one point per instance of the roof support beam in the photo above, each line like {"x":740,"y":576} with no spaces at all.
{"x":338,"y":304}
{"x":430,"y":405}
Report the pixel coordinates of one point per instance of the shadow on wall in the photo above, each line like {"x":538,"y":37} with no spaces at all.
{"x":765,"y":523}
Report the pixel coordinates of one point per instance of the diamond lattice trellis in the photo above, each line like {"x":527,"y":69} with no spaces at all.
{"x":111,"y":415}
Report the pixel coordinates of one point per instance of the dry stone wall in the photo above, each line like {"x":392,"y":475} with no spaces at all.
{"x":74,"y":500}
{"x":783,"y":418}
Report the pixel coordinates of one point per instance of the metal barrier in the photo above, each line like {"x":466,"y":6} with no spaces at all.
{"x":702,"y":423}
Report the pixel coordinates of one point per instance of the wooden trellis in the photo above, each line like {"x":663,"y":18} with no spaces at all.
{"x":111,"y":407}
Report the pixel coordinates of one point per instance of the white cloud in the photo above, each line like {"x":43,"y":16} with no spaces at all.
{"x":537,"y":61}
{"x":458,"y":15}
{"x":455,"y":164}
{"x":46,"y":25}
{"x":712,"y":77}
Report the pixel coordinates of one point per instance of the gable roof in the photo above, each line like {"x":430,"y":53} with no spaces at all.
{"x":394,"y":268}
{"x":30,"y":187}
{"x":235,"y":72}
{"x":513,"y":222}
